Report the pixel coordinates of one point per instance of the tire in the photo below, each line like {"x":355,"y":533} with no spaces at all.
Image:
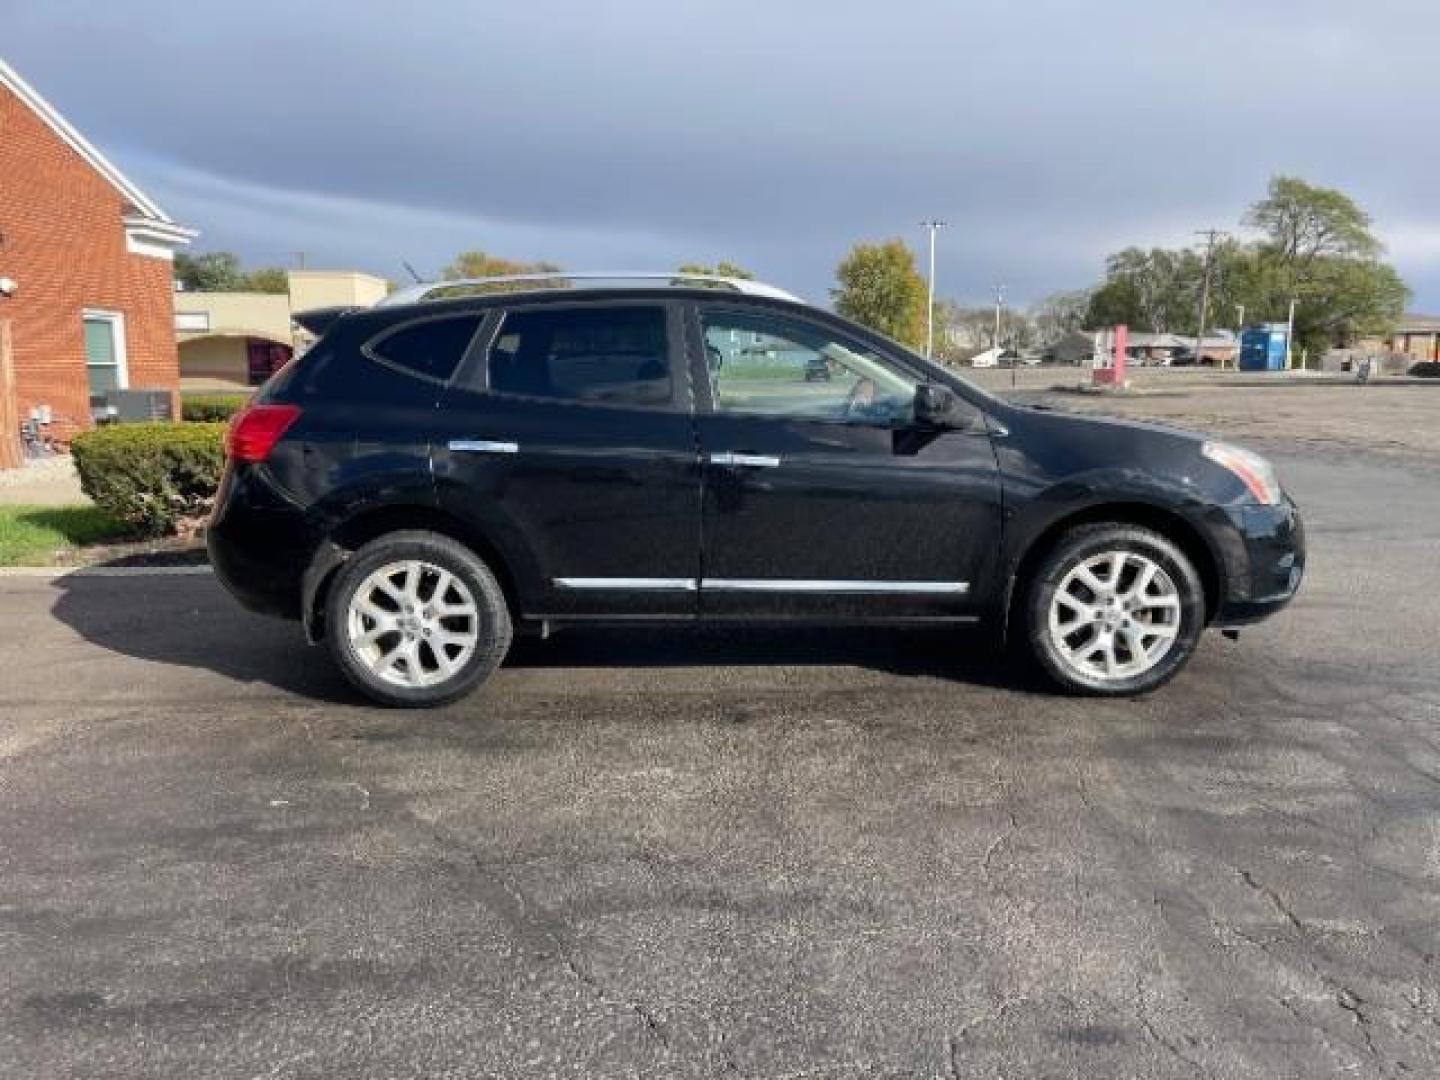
{"x":416,"y":619}
{"x":1126,"y":636}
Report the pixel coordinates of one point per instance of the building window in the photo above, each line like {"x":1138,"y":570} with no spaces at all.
{"x":192,"y":321}
{"x":105,"y":351}
{"x":263,"y":359}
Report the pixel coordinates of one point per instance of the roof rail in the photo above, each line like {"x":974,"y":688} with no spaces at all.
{"x":416,"y":294}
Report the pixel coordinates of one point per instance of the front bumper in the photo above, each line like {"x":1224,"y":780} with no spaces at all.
{"x":1265,"y":562}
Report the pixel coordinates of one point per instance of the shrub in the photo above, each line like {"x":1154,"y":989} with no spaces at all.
{"x":205,"y":408}
{"x":157,"y":478}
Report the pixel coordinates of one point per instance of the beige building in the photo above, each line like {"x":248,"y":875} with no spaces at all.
{"x":1417,"y":336}
{"x":235,"y":340}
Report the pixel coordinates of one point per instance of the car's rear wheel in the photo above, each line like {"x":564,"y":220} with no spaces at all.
{"x":1114,"y":609}
{"x":416,"y":619}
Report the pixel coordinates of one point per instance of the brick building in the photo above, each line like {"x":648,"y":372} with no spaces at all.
{"x":89,"y":256}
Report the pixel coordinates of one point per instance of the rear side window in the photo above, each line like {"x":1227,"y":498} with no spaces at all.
{"x":430,"y":349}
{"x":610,"y":355}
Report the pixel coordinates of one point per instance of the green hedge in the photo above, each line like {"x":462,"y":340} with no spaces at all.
{"x":157,"y":478}
{"x":210,"y":407}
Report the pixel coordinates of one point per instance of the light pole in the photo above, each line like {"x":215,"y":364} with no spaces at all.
{"x":1239,"y":330}
{"x":932,"y":226}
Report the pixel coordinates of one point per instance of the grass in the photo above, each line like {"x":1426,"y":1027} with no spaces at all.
{"x":747,"y":372}
{"x":34,"y":535}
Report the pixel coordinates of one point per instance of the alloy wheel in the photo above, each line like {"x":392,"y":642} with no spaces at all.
{"x":413,"y":623}
{"x":1114,"y":616}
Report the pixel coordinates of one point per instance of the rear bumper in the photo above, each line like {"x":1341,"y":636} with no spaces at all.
{"x":1266,"y":562}
{"x":259,"y":543}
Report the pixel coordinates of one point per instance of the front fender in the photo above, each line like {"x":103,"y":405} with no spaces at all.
{"x":1034,"y":514}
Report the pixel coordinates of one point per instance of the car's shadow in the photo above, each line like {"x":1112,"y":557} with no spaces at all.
{"x":189,"y":621}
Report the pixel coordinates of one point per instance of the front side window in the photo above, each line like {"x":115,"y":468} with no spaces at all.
{"x":430,"y":348}
{"x":772,"y":366}
{"x":608,"y":355}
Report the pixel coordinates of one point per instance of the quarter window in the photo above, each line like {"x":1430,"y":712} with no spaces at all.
{"x":777,"y":367}
{"x":609,"y":355}
{"x":430,"y":349}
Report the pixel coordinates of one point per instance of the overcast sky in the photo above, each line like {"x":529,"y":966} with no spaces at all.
{"x":636,"y":134}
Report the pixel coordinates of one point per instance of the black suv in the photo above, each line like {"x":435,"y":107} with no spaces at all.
{"x":436,"y":473}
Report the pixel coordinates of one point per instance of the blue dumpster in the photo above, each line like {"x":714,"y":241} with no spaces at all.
{"x":1262,"y":348}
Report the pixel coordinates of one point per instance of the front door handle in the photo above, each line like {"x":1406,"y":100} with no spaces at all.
{"x":752,"y":461}
{"x":483,"y":446}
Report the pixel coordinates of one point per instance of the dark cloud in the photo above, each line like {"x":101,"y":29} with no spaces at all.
{"x":643,"y":133}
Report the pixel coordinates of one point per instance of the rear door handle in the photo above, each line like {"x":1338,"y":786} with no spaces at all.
{"x":752,"y":461}
{"x":483,"y":446}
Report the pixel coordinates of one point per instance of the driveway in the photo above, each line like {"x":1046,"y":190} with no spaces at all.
{"x":762,"y":854}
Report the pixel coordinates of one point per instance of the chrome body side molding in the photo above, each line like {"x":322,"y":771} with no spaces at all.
{"x":637,"y":584}
{"x":629,"y":584}
{"x":483,"y":446}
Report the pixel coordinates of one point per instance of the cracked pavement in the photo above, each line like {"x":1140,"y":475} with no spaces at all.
{"x":742,"y":854}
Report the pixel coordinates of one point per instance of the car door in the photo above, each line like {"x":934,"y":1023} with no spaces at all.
{"x":568,"y":442}
{"x":821,"y":496}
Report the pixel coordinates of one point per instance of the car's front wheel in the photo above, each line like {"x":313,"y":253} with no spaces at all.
{"x":1114,"y":609}
{"x":415,"y":618}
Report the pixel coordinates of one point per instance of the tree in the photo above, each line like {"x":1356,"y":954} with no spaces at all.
{"x":1060,"y":313}
{"x":1318,"y":251}
{"x":268,"y":279}
{"x":213,"y":271}
{"x":1315,"y":248}
{"x":721,"y":269}
{"x":881,"y":287}
{"x":1155,"y":290}
{"x":1303,"y":222}
{"x":220,"y":271}
{"x":961,"y":331}
{"x":478,"y":264}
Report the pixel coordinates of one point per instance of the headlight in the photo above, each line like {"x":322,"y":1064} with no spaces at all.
{"x":1257,"y":474}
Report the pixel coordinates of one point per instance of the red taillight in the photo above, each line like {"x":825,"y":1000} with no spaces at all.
{"x":254,"y":431}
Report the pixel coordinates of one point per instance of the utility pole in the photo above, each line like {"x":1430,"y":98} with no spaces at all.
{"x":1239,"y":330}
{"x":999,"y":303}
{"x":1290,"y":336}
{"x":999,"y":307}
{"x":1210,"y":237}
{"x":932,"y":227}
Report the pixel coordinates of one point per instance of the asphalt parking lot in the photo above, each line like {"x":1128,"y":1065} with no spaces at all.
{"x":763,"y":854}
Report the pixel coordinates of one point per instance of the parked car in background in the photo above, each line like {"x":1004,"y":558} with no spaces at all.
{"x":987,"y":359}
{"x":436,"y":475}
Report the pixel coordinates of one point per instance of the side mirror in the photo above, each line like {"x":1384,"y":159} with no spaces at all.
{"x":938,"y":407}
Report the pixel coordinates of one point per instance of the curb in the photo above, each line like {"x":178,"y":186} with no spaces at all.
{"x":51,"y":572}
